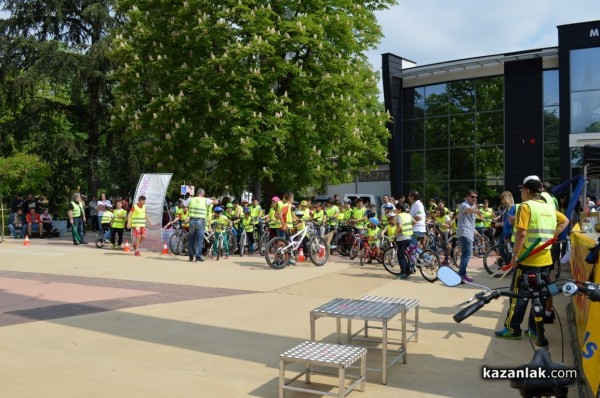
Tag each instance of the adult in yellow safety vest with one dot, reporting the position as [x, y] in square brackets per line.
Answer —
[535, 219]
[404, 227]
[286, 215]
[118, 225]
[198, 210]
[136, 221]
[273, 217]
[331, 213]
[76, 216]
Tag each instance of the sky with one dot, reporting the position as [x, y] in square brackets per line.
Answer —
[431, 31]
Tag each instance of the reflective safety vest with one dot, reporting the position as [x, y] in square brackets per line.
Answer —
[391, 230]
[248, 223]
[209, 215]
[542, 222]
[273, 219]
[478, 222]
[255, 212]
[488, 216]
[222, 223]
[512, 237]
[348, 214]
[318, 215]
[106, 217]
[373, 234]
[138, 218]
[550, 200]
[76, 210]
[289, 221]
[120, 218]
[359, 213]
[197, 207]
[407, 228]
[332, 213]
[442, 225]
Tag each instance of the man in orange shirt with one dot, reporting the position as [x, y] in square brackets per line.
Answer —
[34, 218]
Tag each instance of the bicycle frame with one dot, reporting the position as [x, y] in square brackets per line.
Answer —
[296, 244]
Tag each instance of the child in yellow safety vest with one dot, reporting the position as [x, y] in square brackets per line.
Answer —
[248, 223]
[222, 222]
[373, 235]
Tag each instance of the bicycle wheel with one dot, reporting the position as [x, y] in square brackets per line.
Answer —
[456, 254]
[173, 243]
[344, 245]
[317, 251]
[264, 239]
[183, 246]
[428, 263]
[362, 254]
[232, 242]
[99, 240]
[557, 266]
[276, 257]
[354, 249]
[493, 260]
[390, 261]
[242, 244]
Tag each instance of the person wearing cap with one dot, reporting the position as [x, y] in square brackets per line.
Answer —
[386, 209]
[101, 207]
[373, 235]
[404, 235]
[235, 213]
[248, 225]
[347, 210]
[390, 230]
[221, 225]
[198, 208]
[535, 219]
[107, 219]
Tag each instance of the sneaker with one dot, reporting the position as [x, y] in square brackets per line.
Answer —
[137, 253]
[549, 318]
[113, 247]
[291, 263]
[118, 247]
[466, 278]
[531, 333]
[402, 276]
[507, 334]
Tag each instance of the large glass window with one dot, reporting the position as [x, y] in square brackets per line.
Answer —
[585, 90]
[454, 138]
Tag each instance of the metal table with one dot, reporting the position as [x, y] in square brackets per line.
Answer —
[365, 310]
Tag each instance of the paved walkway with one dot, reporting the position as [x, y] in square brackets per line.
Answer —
[77, 321]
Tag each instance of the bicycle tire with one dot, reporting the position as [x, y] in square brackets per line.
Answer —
[390, 261]
[557, 266]
[232, 242]
[183, 246]
[173, 243]
[264, 240]
[493, 261]
[428, 263]
[354, 250]
[276, 258]
[456, 254]
[317, 251]
[362, 256]
[99, 240]
[343, 246]
[219, 248]
[242, 244]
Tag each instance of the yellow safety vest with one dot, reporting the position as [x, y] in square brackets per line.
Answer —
[512, 237]
[391, 230]
[76, 210]
[197, 207]
[488, 216]
[332, 213]
[348, 214]
[407, 228]
[442, 224]
[542, 222]
[372, 234]
[120, 218]
[222, 223]
[255, 213]
[138, 218]
[318, 215]
[248, 223]
[273, 220]
[106, 217]
[289, 221]
[359, 213]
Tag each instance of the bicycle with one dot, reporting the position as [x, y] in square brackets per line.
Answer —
[219, 243]
[178, 244]
[357, 244]
[496, 258]
[535, 287]
[279, 251]
[102, 238]
[370, 252]
[345, 238]
[265, 237]
[427, 261]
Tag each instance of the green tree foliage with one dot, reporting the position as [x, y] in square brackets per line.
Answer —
[237, 91]
[22, 172]
[55, 92]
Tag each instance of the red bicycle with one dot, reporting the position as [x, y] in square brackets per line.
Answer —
[369, 252]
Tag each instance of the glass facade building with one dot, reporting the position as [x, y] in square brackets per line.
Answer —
[489, 121]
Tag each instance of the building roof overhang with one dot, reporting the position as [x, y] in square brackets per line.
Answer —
[477, 62]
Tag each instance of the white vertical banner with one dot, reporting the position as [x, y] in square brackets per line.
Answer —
[154, 188]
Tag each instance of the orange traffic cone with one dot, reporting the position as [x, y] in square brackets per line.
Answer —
[126, 248]
[26, 241]
[301, 257]
[165, 248]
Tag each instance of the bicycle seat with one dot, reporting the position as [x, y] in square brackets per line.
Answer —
[529, 386]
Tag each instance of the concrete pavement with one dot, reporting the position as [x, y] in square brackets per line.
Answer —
[80, 321]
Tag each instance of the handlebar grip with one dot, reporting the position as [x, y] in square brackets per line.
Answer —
[468, 311]
[594, 295]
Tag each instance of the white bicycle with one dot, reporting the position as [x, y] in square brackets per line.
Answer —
[279, 251]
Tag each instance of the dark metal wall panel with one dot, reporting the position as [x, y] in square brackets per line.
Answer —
[392, 94]
[524, 123]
